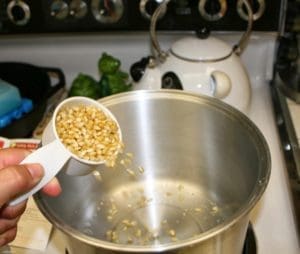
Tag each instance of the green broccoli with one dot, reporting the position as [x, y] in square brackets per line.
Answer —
[85, 85]
[112, 80]
[104, 86]
[107, 64]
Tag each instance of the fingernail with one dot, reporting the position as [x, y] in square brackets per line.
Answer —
[36, 171]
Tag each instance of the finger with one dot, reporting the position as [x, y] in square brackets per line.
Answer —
[5, 225]
[11, 212]
[53, 188]
[8, 236]
[12, 156]
[16, 180]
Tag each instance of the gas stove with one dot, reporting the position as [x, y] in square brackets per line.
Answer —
[62, 40]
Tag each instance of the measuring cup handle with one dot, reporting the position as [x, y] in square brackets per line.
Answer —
[52, 157]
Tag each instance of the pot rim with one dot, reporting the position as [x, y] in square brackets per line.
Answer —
[257, 192]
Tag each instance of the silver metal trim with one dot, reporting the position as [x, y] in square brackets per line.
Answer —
[282, 17]
[291, 141]
[256, 15]
[107, 19]
[212, 17]
[78, 8]
[144, 12]
[59, 9]
[24, 7]
[201, 60]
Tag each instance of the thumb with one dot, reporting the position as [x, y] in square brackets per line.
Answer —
[18, 179]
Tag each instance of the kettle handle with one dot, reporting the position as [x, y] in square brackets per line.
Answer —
[237, 48]
[161, 55]
[221, 84]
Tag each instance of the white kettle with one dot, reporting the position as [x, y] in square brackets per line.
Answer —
[202, 64]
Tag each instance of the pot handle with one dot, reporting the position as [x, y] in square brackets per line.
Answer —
[57, 73]
[237, 48]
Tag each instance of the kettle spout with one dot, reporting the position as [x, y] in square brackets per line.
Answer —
[137, 70]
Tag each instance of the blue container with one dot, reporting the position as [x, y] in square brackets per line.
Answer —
[10, 98]
[25, 107]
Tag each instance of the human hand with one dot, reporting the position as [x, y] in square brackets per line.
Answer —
[16, 179]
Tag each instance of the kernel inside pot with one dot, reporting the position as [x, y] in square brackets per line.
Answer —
[89, 133]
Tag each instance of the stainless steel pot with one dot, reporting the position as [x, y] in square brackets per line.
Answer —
[198, 168]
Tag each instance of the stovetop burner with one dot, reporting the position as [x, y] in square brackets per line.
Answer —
[249, 247]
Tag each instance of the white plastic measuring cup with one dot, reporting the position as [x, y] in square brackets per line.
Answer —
[55, 155]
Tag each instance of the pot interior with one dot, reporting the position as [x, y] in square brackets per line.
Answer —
[191, 166]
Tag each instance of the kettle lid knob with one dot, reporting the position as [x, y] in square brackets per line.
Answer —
[203, 32]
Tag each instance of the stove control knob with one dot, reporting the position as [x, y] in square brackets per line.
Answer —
[107, 11]
[212, 10]
[258, 8]
[59, 9]
[78, 9]
[18, 12]
[147, 8]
